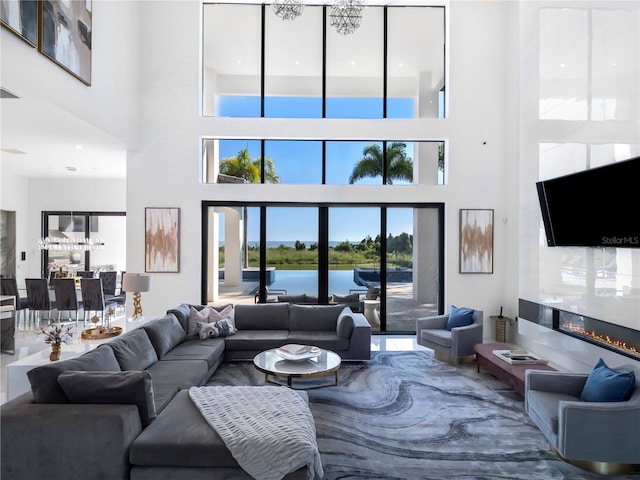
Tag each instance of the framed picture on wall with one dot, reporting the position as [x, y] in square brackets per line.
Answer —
[21, 18]
[162, 240]
[476, 240]
[65, 36]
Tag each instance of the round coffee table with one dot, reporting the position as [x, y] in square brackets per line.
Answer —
[270, 363]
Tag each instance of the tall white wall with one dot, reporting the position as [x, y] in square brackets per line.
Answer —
[164, 171]
[110, 103]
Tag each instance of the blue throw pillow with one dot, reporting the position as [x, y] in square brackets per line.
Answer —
[459, 317]
[607, 385]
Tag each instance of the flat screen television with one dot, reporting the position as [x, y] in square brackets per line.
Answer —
[599, 207]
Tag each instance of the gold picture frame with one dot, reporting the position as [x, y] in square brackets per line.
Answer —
[476, 240]
[162, 240]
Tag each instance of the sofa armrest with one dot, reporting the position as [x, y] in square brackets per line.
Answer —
[464, 339]
[360, 341]
[95, 439]
[556, 382]
[616, 423]
[436, 322]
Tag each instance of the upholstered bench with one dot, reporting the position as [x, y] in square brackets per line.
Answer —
[180, 444]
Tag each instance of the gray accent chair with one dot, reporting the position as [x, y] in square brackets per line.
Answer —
[584, 433]
[449, 345]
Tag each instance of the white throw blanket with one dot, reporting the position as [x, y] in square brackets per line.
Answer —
[270, 431]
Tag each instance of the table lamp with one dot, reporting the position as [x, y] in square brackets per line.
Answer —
[136, 283]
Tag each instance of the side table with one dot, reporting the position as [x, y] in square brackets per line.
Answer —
[501, 327]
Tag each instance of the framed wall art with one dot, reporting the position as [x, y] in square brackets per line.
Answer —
[21, 18]
[65, 35]
[476, 241]
[162, 240]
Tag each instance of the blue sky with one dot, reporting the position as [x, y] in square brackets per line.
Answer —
[300, 162]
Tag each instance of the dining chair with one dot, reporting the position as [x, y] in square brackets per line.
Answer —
[85, 274]
[66, 297]
[38, 299]
[9, 286]
[92, 297]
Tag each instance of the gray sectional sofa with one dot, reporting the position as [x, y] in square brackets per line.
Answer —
[122, 410]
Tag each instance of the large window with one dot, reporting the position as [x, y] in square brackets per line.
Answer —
[328, 254]
[392, 66]
[362, 162]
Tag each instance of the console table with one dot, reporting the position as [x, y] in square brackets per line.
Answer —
[512, 375]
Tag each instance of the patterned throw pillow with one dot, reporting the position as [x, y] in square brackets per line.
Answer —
[221, 328]
[207, 315]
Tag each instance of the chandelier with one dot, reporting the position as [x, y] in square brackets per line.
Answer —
[288, 9]
[346, 15]
[70, 244]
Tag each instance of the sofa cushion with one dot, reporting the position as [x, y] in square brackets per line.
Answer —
[44, 379]
[329, 340]
[302, 298]
[605, 384]
[545, 405]
[345, 325]
[170, 376]
[210, 350]
[351, 298]
[181, 437]
[133, 350]
[165, 333]
[437, 336]
[459, 317]
[262, 316]
[113, 388]
[256, 340]
[314, 317]
[182, 314]
[207, 314]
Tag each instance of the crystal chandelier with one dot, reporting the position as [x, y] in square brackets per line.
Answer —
[346, 15]
[288, 9]
[70, 244]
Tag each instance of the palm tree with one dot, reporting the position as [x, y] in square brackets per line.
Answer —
[243, 166]
[399, 166]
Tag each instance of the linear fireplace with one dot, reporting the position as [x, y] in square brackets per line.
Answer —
[617, 338]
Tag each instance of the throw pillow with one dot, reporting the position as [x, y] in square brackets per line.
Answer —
[207, 315]
[221, 328]
[116, 388]
[605, 384]
[459, 317]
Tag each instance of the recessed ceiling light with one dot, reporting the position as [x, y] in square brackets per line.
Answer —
[79, 147]
[562, 65]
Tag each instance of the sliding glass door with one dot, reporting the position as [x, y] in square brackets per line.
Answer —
[384, 261]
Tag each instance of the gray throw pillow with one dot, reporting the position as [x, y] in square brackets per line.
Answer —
[345, 325]
[44, 379]
[111, 388]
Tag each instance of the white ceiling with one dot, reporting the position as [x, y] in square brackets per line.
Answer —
[51, 138]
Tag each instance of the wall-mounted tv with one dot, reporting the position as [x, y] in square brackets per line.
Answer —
[599, 207]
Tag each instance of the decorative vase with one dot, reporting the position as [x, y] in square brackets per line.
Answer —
[55, 352]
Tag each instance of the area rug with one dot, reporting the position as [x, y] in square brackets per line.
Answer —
[406, 415]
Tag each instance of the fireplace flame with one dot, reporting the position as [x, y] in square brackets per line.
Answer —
[601, 338]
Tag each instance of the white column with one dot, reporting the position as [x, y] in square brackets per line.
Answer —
[425, 255]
